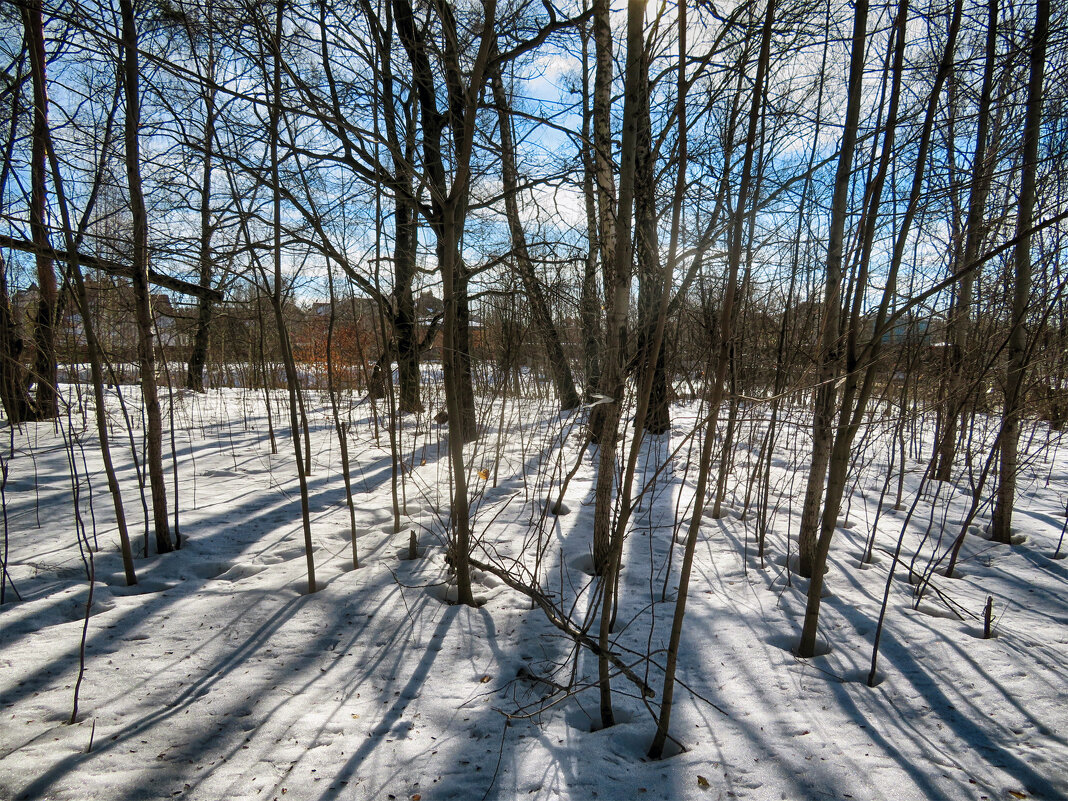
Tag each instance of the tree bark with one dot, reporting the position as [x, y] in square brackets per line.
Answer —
[13, 380]
[448, 204]
[715, 391]
[142, 296]
[285, 345]
[857, 392]
[46, 400]
[589, 302]
[649, 268]
[604, 171]
[448, 209]
[1001, 527]
[95, 352]
[402, 147]
[612, 388]
[16, 402]
[539, 307]
[829, 341]
[198, 354]
[960, 313]
[404, 267]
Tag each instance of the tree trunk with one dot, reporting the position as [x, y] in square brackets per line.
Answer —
[285, 345]
[404, 250]
[405, 243]
[142, 295]
[829, 355]
[454, 403]
[46, 401]
[97, 375]
[851, 415]
[448, 209]
[94, 350]
[16, 401]
[612, 377]
[13, 380]
[649, 269]
[589, 302]
[339, 425]
[1001, 527]
[539, 307]
[715, 391]
[960, 314]
[604, 171]
[846, 332]
[448, 205]
[198, 355]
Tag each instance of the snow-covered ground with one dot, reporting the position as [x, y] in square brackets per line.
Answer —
[219, 677]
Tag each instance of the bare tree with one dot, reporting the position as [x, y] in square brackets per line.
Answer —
[608, 539]
[715, 390]
[197, 31]
[539, 308]
[860, 372]
[1001, 529]
[145, 345]
[15, 383]
[959, 323]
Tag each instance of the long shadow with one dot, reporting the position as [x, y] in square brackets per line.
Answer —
[1051, 566]
[339, 639]
[775, 733]
[581, 759]
[252, 516]
[257, 515]
[392, 718]
[963, 724]
[40, 786]
[537, 657]
[566, 761]
[958, 713]
[699, 695]
[216, 736]
[774, 737]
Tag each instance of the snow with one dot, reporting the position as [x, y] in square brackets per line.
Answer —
[218, 676]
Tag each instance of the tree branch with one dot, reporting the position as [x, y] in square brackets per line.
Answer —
[112, 268]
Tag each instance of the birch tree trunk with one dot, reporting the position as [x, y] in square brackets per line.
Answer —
[612, 377]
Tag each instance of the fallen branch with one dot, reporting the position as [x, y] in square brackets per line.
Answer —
[552, 614]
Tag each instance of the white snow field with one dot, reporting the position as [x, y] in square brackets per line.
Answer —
[218, 677]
